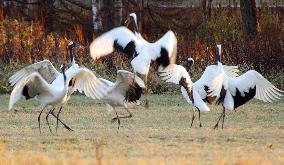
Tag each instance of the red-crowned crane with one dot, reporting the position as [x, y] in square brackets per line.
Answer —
[200, 88]
[126, 90]
[233, 92]
[35, 84]
[36, 77]
[140, 52]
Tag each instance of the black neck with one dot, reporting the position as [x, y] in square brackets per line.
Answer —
[64, 75]
[71, 54]
[134, 25]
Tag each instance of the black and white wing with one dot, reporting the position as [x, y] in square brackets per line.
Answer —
[163, 51]
[120, 39]
[86, 82]
[252, 85]
[167, 47]
[44, 68]
[30, 86]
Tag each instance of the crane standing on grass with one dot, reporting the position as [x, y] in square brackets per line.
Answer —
[126, 90]
[42, 81]
[196, 94]
[233, 92]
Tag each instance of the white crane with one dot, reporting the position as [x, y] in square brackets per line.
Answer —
[200, 88]
[50, 74]
[140, 52]
[42, 81]
[233, 92]
[126, 90]
[55, 94]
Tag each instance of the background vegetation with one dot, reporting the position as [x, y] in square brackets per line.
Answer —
[24, 41]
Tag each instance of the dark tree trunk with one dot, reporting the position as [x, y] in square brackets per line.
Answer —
[248, 11]
[108, 14]
[1, 10]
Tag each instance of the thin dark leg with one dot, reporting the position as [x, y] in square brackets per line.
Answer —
[118, 120]
[224, 115]
[216, 125]
[38, 119]
[58, 117]
[192, 119]
[121, 117]
[68, 128]
[200, 125]
[146, 92]
[46, 118]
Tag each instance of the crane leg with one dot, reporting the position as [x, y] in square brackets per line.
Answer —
[224, 115]
[121, 117]
[118, 120]
[38, 118]
[200, 125]
[192, 119]
[58, 120]
[216, 125]
[46, 118]
[146, 92]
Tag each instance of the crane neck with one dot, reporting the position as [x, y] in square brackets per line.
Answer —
[70, 54]
[187, 87]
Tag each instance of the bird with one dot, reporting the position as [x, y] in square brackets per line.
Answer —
[199, 93]
[50, 74]
[36, 84]
[140, 52]
[126, 90]
[232, 92]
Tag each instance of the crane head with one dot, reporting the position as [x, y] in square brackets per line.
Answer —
[63, 67]
[132, 22]
[190, 62]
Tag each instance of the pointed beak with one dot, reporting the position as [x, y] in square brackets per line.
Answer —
[127, 21]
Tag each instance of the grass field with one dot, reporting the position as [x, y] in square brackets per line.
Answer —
[254, 134]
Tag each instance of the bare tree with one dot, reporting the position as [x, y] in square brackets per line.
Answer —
[248, 12]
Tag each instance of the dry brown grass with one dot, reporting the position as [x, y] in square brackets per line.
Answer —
[159, 135]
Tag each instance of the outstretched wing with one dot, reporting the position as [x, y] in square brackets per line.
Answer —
[174, 74]
[44, 68]
[120, 39]
[30, 86]
[86, 82]
[167, 45]
[253, 85]
[231, 71]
